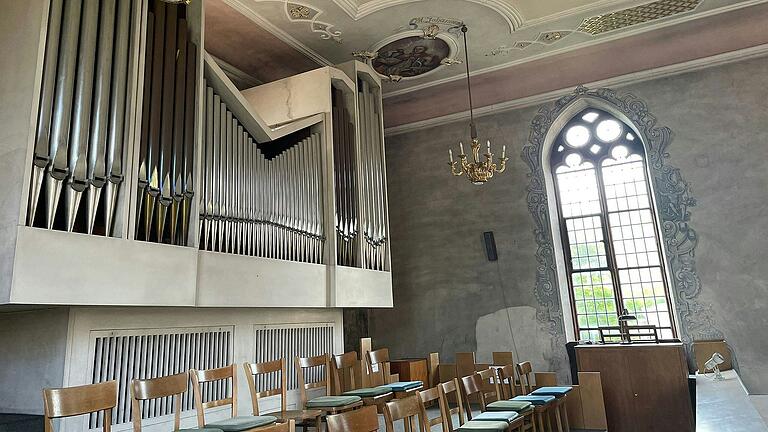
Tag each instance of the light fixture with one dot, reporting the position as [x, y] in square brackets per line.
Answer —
[713, 364]
[477, 171]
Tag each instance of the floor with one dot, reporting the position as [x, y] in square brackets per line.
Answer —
[20, 423]
[724, 406]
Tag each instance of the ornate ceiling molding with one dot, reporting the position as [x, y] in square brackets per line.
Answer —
[502, 50]
[302, 12]
[511, 15]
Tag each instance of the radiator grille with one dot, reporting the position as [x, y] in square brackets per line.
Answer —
[288, 341]
[149, 353]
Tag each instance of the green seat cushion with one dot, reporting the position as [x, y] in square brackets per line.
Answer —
[556, 391]
[241, 423]
[369, 392]
[509, 405]
[507, 416]
[403, 385]
[332, 401]
[484, 426]
[200, 430]
[535, 399]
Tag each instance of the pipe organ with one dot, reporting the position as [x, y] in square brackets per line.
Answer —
[141, 176]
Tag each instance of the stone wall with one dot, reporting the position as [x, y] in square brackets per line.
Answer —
[449, 298]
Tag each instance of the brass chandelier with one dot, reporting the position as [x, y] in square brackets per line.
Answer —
[477, 171]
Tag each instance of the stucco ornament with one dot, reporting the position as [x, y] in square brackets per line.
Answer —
[674, 201]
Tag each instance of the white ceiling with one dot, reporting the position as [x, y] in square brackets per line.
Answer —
[501, 32]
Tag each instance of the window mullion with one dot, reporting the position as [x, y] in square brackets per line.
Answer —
[609, 251]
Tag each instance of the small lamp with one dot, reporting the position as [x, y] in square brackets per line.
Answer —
[624, 319]
[713, 364]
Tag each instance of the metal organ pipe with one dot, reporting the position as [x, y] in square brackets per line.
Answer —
[255, 204]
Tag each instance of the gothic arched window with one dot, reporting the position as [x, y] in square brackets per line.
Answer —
[610, 236]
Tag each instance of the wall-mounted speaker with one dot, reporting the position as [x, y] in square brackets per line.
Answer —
[490, 246]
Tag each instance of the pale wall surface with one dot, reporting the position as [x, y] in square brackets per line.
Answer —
[443, 284]
[35, 363]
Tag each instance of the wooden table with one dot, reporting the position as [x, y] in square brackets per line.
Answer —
[645, 386]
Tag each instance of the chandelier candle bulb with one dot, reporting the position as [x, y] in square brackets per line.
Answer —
[450, 155]
[489, 146]
[461, 146]
[504, 151]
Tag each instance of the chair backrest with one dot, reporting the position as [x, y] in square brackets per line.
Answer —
[343, 366]
[489, 380]
[379, 360]
[303, 363]
[203, 376]
[427, 396]
[74, 401]
[146, 389]
[266, 368]
[507, 382]
[447, 390]
[289, 426]
[405, 409]
[524, 370]
[470, 386]
[365, 419]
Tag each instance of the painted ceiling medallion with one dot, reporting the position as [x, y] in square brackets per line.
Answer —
[410, 55]
[297, 12]
[636, 15]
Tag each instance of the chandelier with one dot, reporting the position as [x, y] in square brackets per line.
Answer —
[477, 171]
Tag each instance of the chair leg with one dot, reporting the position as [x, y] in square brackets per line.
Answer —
[565, 416]
[539, 422]
[558, 420]
[549, 420]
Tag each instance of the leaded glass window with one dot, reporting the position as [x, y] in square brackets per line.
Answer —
[610, 236]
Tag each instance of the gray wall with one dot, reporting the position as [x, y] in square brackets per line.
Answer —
[36, 363]
[449, 298]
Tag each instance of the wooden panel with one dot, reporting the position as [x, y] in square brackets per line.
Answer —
[544, 379]
[645, 386]
[410, 370]
[365, 348]
[703, 350]
[433, 362]
[592, 401]
[503, 358]
[465, 364]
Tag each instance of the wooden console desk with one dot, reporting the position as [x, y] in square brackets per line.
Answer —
[645, 386]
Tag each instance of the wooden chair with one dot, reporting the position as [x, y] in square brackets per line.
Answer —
[508, 391]
[235, 422]
[343, 366]
[327, 403]
[300, 417]
[427, 397]
[524, 371]
[361, 420]
[449, 390]
[378, 363]
[489, 378]
[75, 401]
[289, 426]
[493, 411]
[405, 409]
[155, 388]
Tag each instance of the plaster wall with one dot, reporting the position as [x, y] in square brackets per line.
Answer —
[448, 298]
[36, 363]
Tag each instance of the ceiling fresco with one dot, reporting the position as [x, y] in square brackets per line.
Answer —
[502, 33]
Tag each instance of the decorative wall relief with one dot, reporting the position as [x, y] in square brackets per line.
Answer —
[673, 201]
[544, 38]
[298, 12]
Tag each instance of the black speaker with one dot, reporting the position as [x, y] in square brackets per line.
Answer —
[490, 246]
